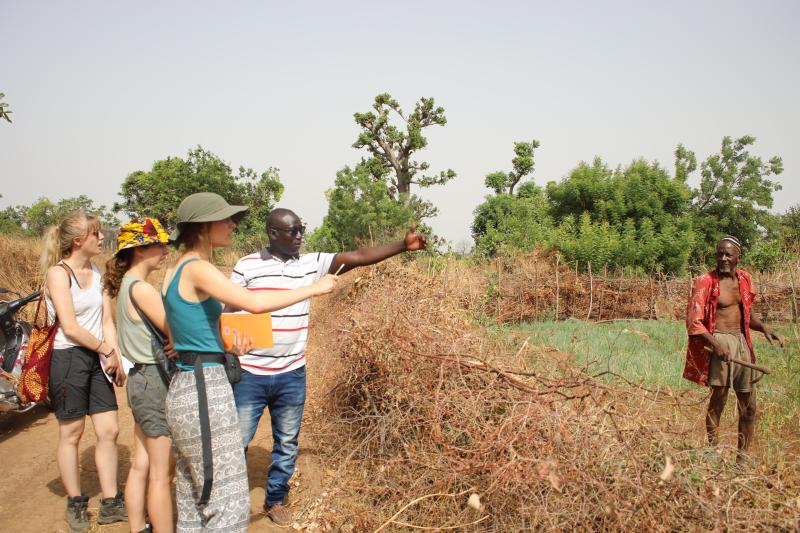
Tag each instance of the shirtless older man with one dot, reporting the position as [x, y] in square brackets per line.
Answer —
[719, 317]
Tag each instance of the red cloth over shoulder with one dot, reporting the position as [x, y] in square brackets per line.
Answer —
[701, 314]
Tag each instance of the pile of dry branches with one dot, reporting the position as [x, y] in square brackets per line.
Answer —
[418, 410]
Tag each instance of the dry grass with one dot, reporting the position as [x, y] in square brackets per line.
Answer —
[19, 268]
[416, 409]
[19, 265]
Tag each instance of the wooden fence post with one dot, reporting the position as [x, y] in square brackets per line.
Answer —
[536, 285]
[499, 288]
[794, 297]
[575, 293]
[588, 314]
[602, 293]
[558, 260]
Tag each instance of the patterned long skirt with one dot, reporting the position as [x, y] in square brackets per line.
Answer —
[228, 506]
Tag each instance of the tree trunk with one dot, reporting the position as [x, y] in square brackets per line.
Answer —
[404, 187]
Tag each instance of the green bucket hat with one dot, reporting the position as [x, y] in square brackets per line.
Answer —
[205, 207]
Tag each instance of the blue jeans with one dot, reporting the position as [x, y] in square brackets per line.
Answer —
[285, 396]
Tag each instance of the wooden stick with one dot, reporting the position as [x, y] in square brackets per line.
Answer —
[558, 260]
[339, 269]
[794, 297]
[441, 528]
[760, 368]
[591, 288]
[414, 501]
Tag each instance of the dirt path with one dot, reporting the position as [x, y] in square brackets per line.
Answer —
[32, 498]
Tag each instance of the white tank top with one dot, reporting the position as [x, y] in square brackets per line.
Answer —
[88, 305]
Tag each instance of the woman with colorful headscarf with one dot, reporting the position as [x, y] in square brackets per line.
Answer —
[141, 249]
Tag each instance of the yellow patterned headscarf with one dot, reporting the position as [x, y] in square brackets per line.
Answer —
[136, 233]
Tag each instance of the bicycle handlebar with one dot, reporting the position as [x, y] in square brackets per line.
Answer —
[16, 305]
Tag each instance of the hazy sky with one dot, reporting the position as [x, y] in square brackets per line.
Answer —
[101, 89]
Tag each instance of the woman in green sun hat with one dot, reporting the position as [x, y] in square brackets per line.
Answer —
[212, 491]
[141, 249]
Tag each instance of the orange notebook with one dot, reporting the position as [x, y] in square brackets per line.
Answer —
[257, 326]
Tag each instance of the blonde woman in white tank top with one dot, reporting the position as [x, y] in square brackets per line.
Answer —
[78, 386]
[87, 306]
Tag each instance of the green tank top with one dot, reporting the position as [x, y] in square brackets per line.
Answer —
[134, 339]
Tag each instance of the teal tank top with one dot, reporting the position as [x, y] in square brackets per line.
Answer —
[194, 326]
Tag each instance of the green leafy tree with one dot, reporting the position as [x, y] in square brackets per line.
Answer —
[84, 203]
[4, 111]
[395, 146]
[360, 210]
[10, 220]
[781, 243]
[39, 215]
[632, 217]
[504, 182]
[373, 201]
[581, 239]
[587, 188]
[685, 163]
[766, 254]
[506, 221]
[44, 212]
[159, 191]
[789, 227]
[735, 193]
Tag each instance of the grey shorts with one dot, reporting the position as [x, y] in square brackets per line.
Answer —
[78, 386]
[740, 378]
[146, 397]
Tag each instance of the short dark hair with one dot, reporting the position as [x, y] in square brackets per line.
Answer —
[275, 214]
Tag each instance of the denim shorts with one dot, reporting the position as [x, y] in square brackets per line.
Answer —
[147, 393]
[78, 386]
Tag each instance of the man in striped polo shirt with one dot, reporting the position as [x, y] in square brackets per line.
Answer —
[275, 378]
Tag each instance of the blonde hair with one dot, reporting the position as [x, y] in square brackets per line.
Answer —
[58, 239]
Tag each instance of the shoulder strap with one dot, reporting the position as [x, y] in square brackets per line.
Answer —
[70, 274]
[39, 303]
[156, 334]
[176, 276]
[154, 331]
[180, 267]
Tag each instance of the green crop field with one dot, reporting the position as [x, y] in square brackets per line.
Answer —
[652, 353]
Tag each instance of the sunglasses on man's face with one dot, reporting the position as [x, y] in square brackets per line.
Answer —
[294, 232]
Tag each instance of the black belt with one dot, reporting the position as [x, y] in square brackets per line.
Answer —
[197, 359]
[189, 358]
